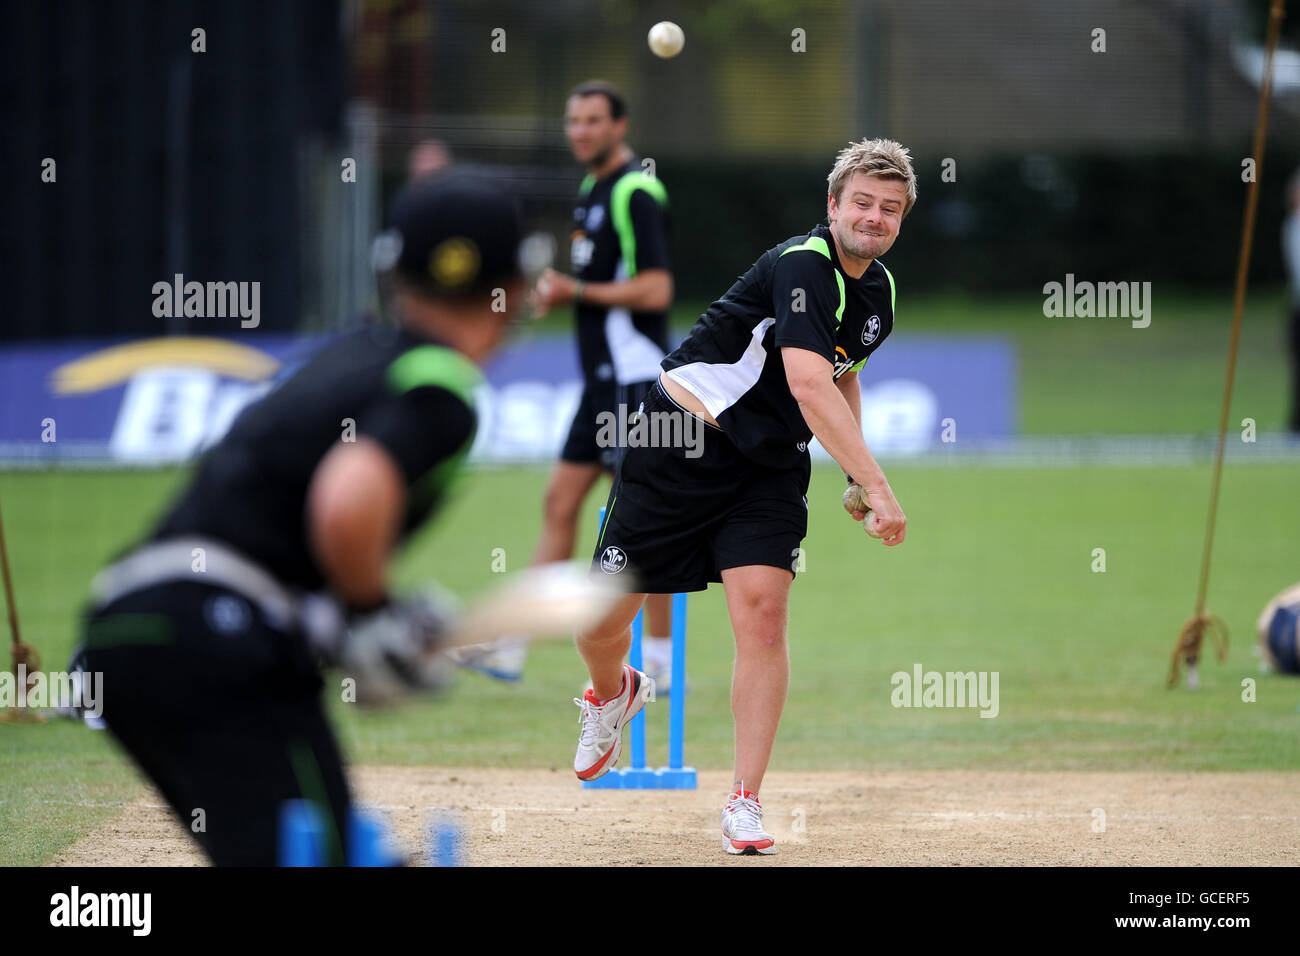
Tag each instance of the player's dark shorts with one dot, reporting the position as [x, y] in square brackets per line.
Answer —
[222, 711]
[676, 520]
[582, 446]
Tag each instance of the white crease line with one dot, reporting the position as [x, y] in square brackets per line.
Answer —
[937, 814]
[1030, 814]
[386, 807]
[364, 806]
[91, 803]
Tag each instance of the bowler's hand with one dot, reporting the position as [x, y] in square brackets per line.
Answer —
[855, 501]
[884, 516]
[552, 289]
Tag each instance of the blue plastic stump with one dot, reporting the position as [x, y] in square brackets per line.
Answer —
[302, 834]
[367, 844]
[677, 700]
[302, 837]
[445, 842]
[634, 658]
[638, 776]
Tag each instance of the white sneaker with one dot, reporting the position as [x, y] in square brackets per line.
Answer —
[661, 674]
[500, 660]
[602, 724]
[742, 826]
[657, 660]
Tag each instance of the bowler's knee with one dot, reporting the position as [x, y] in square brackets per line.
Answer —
[616, 625]
[764, 623]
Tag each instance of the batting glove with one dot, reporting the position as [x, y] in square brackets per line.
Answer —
[392, 652]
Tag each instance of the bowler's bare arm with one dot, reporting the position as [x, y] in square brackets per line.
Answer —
[832, 411]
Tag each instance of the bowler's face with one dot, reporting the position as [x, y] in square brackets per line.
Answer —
[867, 218]
[591, 131]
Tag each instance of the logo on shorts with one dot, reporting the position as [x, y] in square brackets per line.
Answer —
[871, 330]
[802, 446]
[613, 560]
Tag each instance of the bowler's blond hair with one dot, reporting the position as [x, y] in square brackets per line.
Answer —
[874, 157]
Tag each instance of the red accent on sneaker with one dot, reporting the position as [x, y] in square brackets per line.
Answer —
[744, 794]
[591, 771]
[635, 685]
[590, 695]
[756, 844]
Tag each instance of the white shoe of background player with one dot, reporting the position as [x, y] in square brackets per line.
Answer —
[500, 660]
[742, 826]
[657, 659]
[601, 740]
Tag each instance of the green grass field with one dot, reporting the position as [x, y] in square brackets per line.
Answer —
[996, 575]
[1088, 376]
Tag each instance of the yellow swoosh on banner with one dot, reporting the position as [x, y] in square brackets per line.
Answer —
[113, 366]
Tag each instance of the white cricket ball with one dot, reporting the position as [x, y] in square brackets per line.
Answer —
[666, 39]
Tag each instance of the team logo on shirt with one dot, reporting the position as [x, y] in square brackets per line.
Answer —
[594, 218]
[227, 614]
[580, 250]
[613, 560]
[871, 331]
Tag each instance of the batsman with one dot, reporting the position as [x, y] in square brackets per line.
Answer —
[210, 634]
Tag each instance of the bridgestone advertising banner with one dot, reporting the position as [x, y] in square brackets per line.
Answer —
[164, 400]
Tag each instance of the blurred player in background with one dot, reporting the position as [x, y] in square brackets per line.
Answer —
[427, 159]
[621, 292]
[209, 633]
[770, 365]
[1291, 257]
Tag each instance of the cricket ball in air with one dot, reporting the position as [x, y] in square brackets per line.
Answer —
[666, 39]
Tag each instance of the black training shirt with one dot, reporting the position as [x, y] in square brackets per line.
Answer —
[795, 295]
[408, 393]
[620, 229]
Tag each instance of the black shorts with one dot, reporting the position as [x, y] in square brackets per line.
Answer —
[677, 517]
[582, 446]
[223, 713]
